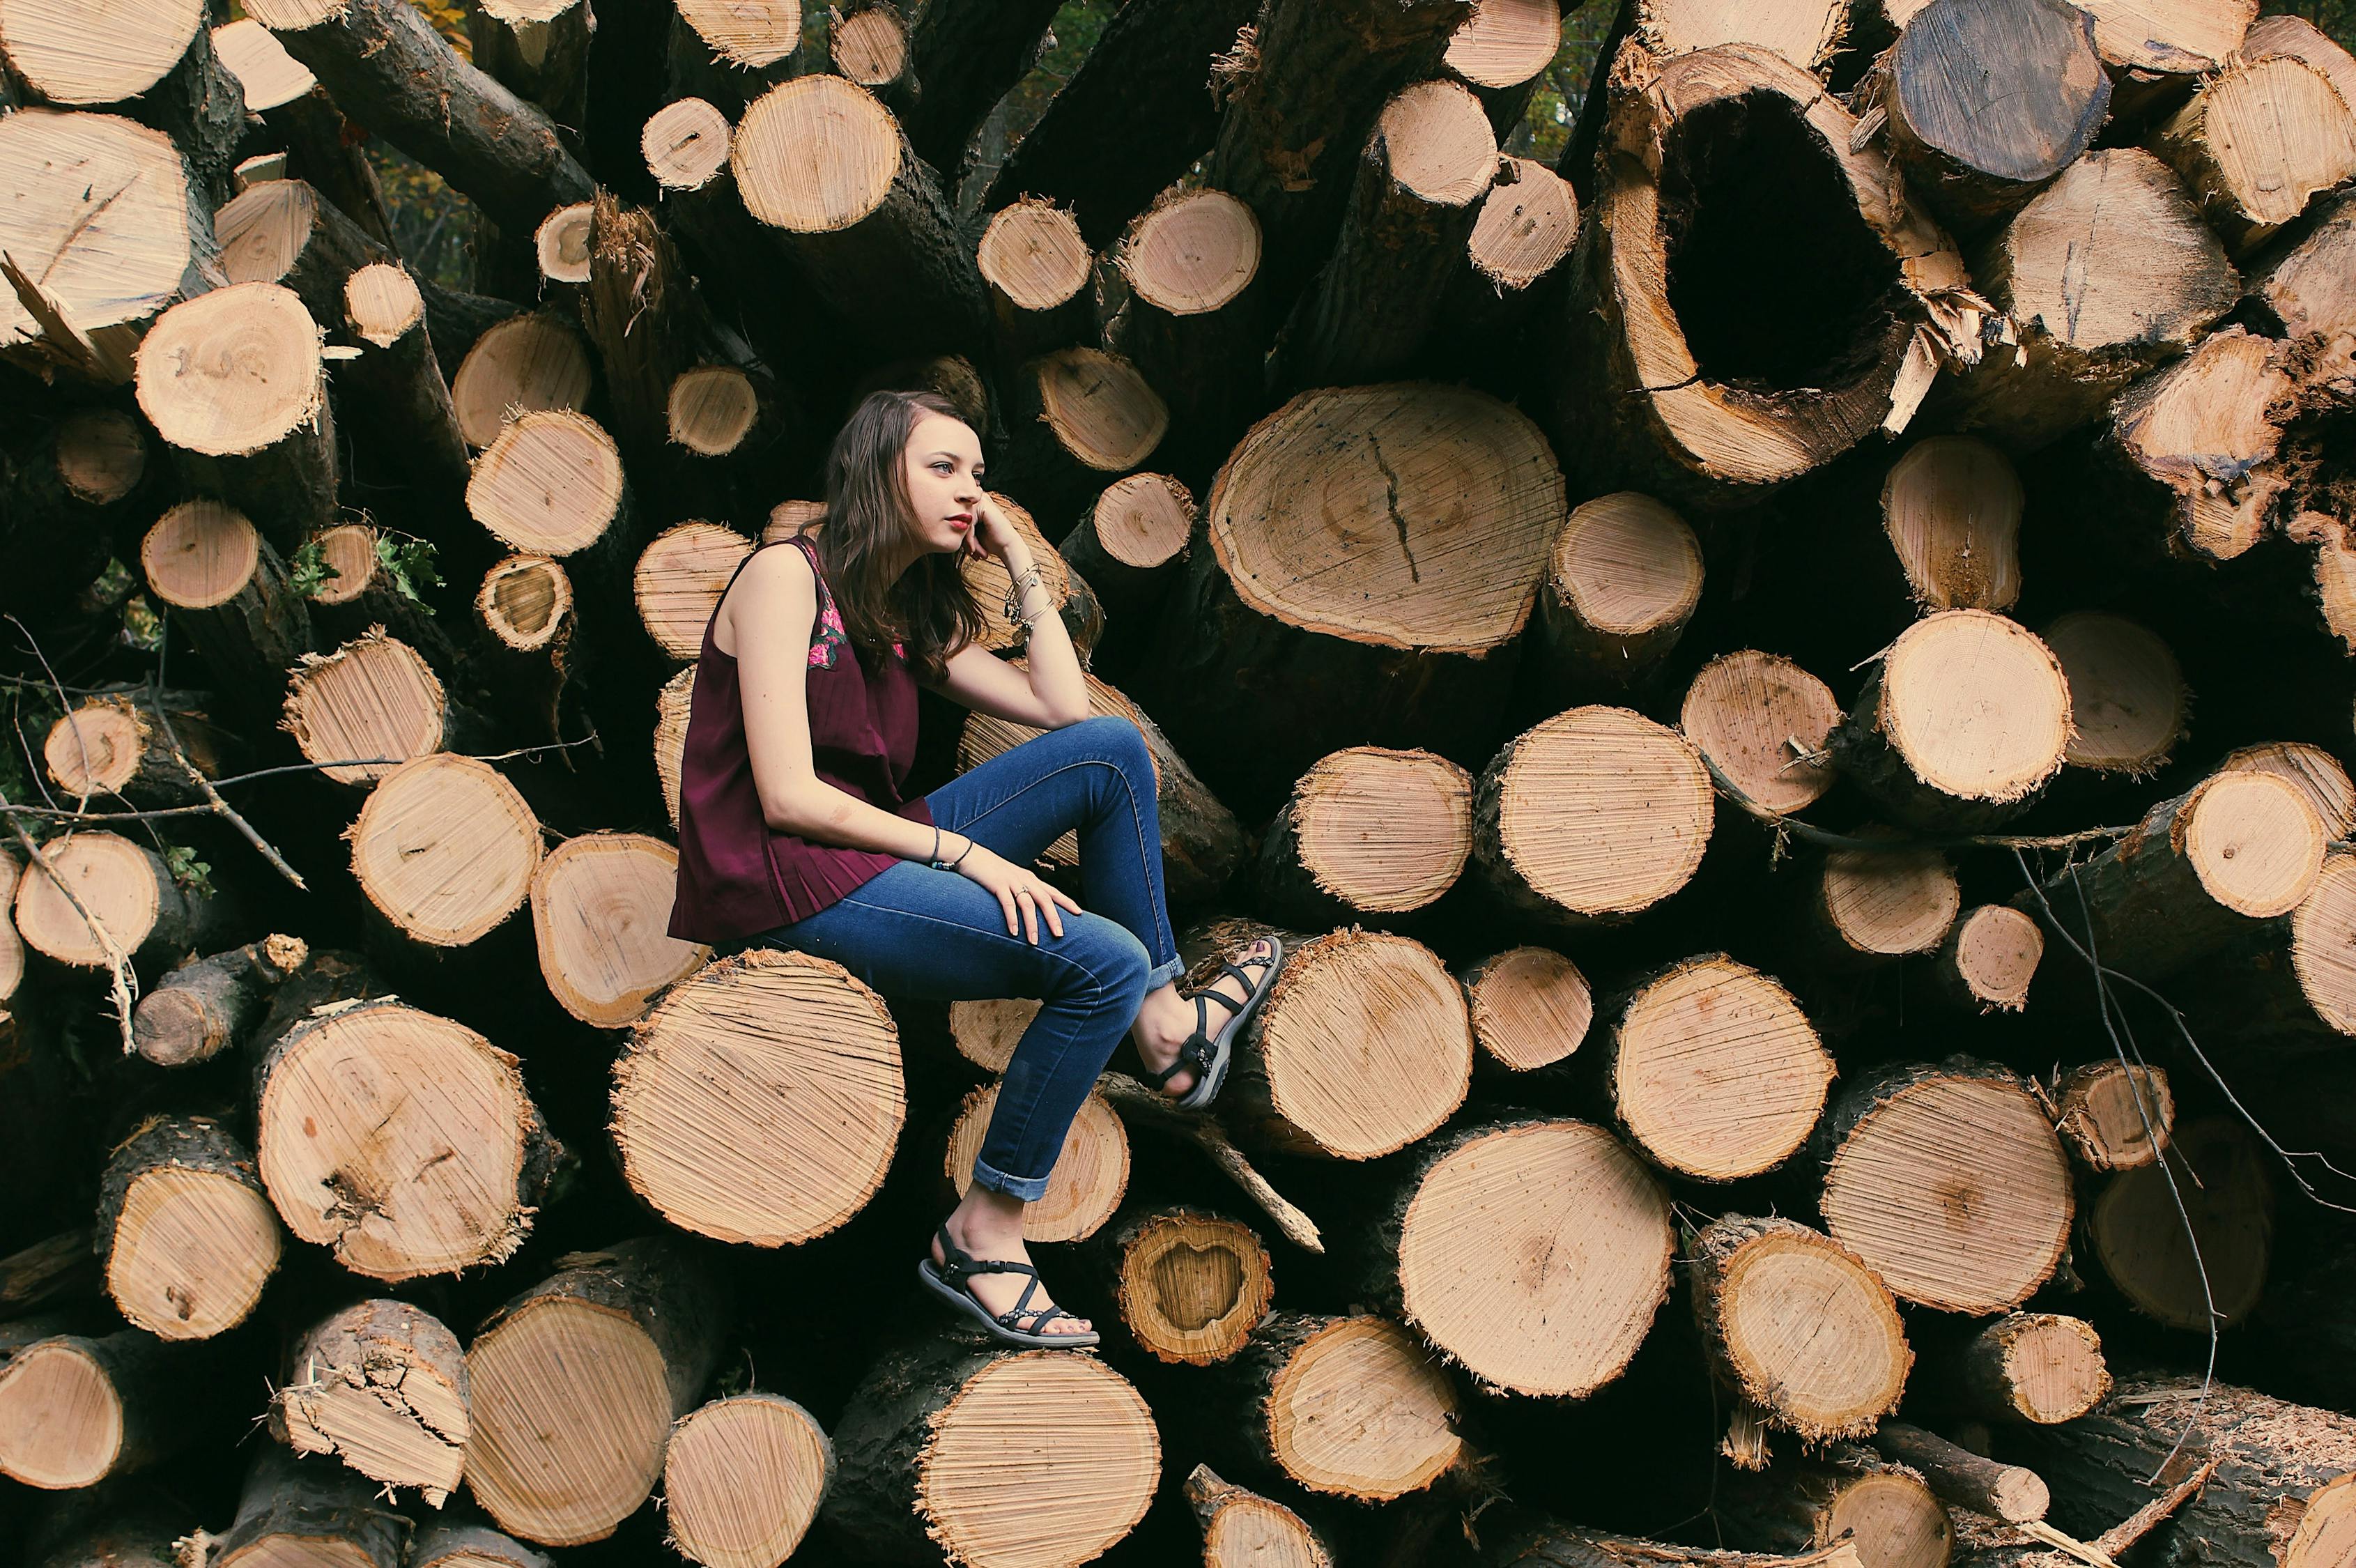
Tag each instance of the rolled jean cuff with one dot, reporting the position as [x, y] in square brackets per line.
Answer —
[1164, 974]
[1030, 1189]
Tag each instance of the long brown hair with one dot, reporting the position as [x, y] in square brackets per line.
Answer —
[928, 608]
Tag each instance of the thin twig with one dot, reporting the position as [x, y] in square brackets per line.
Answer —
[122, 983]
[204, 785]
[1826, 839]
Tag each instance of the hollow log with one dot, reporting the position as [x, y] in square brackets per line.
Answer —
[2034, 1367]
[283, 231]
[864, 220]
[966, 55]
[1624, 578]
[1797, 1327]
[404, 1142]
[1195, 322]
[1950, 508]
[1367, 832]
[148, 917]
[1300, 103]
[115, 743]
[2192, 445]
[1361, 1046]
[1190, 1287]
[2256, 142]
[390, 69]
[1893, 1519]
[74, 1411]
[921, 1456]
[679, 577]
[574, 1386]
[2087, 332]
[2280, 1496]
[526, 606]
[1663, 384]
[1090, 1176]
[810, 1059]
[233, 381]
[109, 254]
[1949, 1182]
[539, 50]
[293, 1510]
[1079, 418]
[524, 364]
[444, 849]
[1344, 1407]
[1988, 101]
[1141, 89]
[367, 708]
[1989, 960]
[1202, 843]
[203, 1008]
[1763, 724]
[742, 1479]
[186, 1236]
[2199, 871]
[2128, 705]
[1420, 638]
[1590, 817]
[552, 485]
[2114, 1117]
[1129, 546]
[2137, 1235]
[1916, 739]
[1966, 1479]
[1867, 907]
[1241, 1529]
[381, 1386]
[1415, 196]
[1451, 1239]
[599, 907]
[1530, 1008]
[227, 588]
[396, 384]
[1040, 276]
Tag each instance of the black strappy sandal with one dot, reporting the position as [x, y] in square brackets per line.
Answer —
[1206, 1054]
[948, 1280]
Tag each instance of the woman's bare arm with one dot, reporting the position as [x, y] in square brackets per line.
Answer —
[769, 618]
[1047, 690]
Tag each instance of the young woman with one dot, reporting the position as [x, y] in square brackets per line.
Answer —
[793, 831]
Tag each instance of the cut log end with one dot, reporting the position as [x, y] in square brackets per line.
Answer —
[2316, 772]
[107, 252]
[1090, 1173]
[1888, 903]
[1716, 1072]
[1763, 723]
[731, 1068]
[1383, 831]
[1940, 680]
[365, 709]
[381, 1386]
[62, 1422]
[1192, 253]
[2323, 945]
[712, 409]
[816, 155]
[679, 577]
[383, 304]
[600, 1463]
[1528, 224]
[671, 707]
[232, 371]
[1501, 1198]
[191, 1249]
[1598, 812]
[1143, 520]
[100, 455]
[2128, 705]
[200, 554]
[271, 77]
[445, 849]
[1951, 506]
[871, 47]
[526, 602]
[2049, 1368]
[1626, 566]
[1800, 1327]
[748, 35]
[1436, 145]
[117, 882]
[1098, 408]
[524, 364]
[742, 1478]
[1803, 34]
[57, 50]
[1359, 1410]
[2255, 842]
[2114, 1117]
[1192, 1288]
[560, 244]
[1032, 253]
[686, 144]
[2137, 1236]
[1993, 953]
[1504, 43]
[1531, 1007]
[1244, 1530]
[600, 912]
[348, 551]
[97, 748]
[550, 483]
[985, 1033]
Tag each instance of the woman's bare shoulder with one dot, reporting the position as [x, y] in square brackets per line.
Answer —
[776, 584]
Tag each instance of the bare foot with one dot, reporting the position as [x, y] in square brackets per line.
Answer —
[1167, 1020]
[999, 1292]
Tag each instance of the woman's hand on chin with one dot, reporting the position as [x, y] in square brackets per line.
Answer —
[994, 535]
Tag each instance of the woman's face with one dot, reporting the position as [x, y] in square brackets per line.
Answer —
[942, 464]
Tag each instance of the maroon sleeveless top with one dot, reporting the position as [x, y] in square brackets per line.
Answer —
[737, 876]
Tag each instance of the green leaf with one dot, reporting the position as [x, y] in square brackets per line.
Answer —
[408, 561]
[191, 873]
[308, 572]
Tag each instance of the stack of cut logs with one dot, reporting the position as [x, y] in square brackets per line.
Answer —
[1865, 542]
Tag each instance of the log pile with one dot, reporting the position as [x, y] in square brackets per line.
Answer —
[1781, 672]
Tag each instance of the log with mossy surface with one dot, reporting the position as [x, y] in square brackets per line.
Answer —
[1713, 404]
[393, 73]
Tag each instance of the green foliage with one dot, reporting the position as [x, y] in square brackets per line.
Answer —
[408, 561]
[308, 572]
[194, 876]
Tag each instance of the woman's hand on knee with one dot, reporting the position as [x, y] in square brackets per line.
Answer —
[1021, 892]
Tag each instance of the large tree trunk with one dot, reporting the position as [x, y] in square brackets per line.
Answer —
[965, 55]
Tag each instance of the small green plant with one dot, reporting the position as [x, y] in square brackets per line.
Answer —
[142, 628]
[194, 876]
[309, 571]
[408, 561]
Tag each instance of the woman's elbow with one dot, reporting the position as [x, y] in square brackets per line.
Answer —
[788, 814]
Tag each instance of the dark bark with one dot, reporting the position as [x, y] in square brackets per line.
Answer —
[322, 148]
[546, 64]
[204, 1008]
[966, 55]
[292, 1506]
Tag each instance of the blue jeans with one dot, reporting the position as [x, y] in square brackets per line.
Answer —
[917, 932]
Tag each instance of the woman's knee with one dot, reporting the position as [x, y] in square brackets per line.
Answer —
[1118, 741]
[1107, 959]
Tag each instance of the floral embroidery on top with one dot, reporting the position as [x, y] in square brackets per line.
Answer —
[830, 637]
